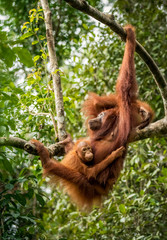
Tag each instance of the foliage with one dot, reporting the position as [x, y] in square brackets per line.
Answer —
[89, 57]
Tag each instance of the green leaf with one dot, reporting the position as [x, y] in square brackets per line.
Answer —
[76, 41]
[3, 129]
[57, 70]
[40, 100]
[15, 215]
[7, 55]
[91, 39]
[9, 186]
[44, 56]
[23, 172]
[85, 26]
[24, 26]
[40, 200]
[41, 37]
[35, 42]
[92, 27]
[11, 84]
[28, 219]
[32, 10]
[7, 165]
[122, 208]
[36, 29]
[3, 36]
[164, 171]
[141, 193]
[30, 193]
[24, 56]
[20, 198]
[65, 99]
[36, 58]
[26, 35]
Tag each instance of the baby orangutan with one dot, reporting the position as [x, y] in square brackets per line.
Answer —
[77, 172]
[85, 155]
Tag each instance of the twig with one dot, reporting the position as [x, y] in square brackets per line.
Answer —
[54, 71]
[39, 114]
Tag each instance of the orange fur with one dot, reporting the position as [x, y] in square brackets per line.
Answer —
[74, 175]
[122, 114]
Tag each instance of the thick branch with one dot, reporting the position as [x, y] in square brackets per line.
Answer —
[13, 141]
[156, 129]
[54, 71]
[54, 149]
[108, 20]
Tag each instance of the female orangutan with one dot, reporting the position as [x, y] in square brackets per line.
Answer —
[112, 118]
[110, 121]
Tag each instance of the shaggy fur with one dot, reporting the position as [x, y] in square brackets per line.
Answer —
[77, 179]
[120, 114]
[123, 113]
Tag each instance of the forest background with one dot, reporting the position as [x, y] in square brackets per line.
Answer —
[89, 57]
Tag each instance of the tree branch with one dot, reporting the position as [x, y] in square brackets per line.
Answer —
[108, 20]
[13, 141]
[56, 149]
[156, 129]
[54, 71]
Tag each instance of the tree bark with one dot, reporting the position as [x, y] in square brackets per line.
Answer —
[156, 129]
[56, 149]
[54, 71]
